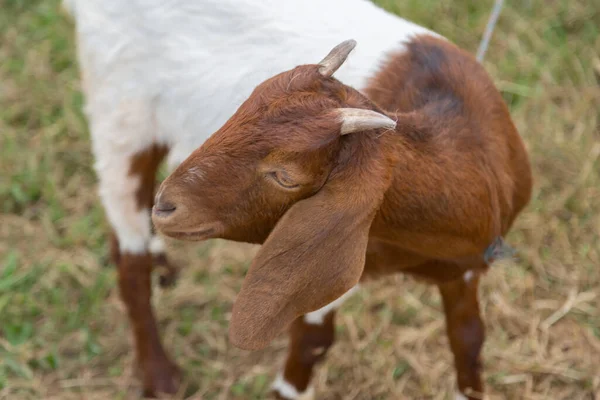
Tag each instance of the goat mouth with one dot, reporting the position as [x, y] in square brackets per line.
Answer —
[192, 236]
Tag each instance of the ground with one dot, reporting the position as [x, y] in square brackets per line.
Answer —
[64, 332]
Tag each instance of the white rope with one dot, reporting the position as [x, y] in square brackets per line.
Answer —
[489, 29]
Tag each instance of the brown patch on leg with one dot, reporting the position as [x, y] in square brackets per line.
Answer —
[145, 165]
[466, 333]
[308, 346]
[159, 373]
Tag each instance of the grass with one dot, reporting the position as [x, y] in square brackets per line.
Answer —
[63, 330]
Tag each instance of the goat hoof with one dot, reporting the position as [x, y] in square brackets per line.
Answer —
[161, 378]
[167, 273]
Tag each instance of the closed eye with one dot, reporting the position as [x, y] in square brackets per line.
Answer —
[283, 180]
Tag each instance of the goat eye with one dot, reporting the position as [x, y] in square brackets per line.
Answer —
[283, 179]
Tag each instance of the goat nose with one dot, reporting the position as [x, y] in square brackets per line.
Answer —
[163, 208]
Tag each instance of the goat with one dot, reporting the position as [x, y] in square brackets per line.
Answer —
[421, 173]
[160, 77]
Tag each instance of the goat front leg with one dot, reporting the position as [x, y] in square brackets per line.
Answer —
[309, 342]
[126, 189]
[466, 332]
[311, 336]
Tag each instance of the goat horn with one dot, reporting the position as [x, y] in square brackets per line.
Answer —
[336, 57]
[358, 119]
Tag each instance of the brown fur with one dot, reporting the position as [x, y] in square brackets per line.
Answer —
[159, 373]
[466, 332]
[425, 199]
[145, 165]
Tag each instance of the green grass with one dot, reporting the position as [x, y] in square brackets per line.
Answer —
[63, 330]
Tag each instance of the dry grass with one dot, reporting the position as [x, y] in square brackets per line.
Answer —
[63, 330]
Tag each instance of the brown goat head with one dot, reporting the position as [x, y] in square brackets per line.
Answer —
[296, 168]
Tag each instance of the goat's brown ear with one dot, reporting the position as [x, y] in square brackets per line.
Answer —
[315, 253]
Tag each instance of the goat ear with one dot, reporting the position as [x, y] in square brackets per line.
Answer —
[315, 253]
[336, 57]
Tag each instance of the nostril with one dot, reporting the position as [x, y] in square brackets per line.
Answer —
[164, 208]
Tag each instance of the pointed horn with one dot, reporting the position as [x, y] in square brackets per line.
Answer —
[358, 119]
[336, 57]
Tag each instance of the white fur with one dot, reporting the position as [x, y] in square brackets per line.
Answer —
[117, 191]
[113, 153]
[460, 396]
[289, 391]
[317, 317]
[157, 246]
[172, 72]
[468, 276]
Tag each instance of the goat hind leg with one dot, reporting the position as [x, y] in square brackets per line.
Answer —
[309, 342]
[466, 332]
